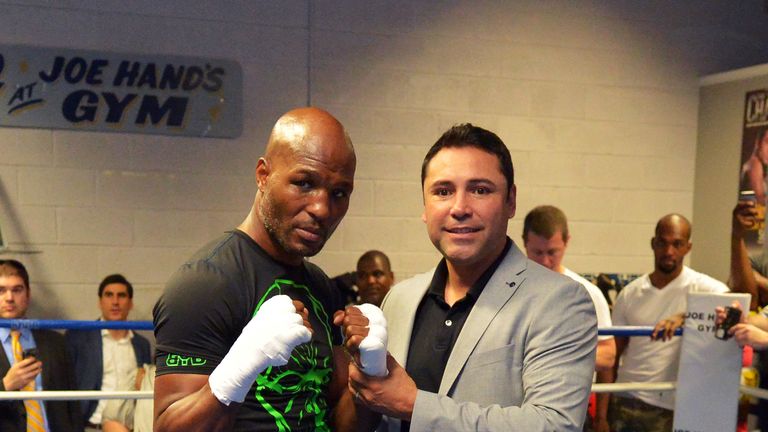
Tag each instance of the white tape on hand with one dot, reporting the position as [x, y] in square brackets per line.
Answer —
[373, 349]
[267, 340]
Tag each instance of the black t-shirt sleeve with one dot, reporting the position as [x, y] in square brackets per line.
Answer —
[197, 319]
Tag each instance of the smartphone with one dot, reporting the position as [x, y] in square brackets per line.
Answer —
[32, 352]
[732, 317]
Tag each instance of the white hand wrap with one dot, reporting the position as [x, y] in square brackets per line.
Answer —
[373, 349]
[267, 340]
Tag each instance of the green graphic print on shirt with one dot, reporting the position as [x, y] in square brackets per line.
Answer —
[307, 372]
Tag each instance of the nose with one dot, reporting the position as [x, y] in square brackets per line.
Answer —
[320, 206]
[461, 209]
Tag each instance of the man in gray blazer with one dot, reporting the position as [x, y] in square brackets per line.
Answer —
[488, 340]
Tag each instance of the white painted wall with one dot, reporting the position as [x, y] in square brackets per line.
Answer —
[596, 100]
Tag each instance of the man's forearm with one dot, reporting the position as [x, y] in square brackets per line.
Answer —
[603, 399]
[742, 277]
[197, 411]
[350, 417]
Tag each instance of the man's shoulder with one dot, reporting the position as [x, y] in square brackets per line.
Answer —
[48, 337]
[407, 286]
[701, 282]
[81, 336]
[139, 339]
[592, 289]
[638, 283]
[542, 275]
[212, 265]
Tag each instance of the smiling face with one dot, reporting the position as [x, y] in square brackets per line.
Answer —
[115, 303]
[467, 204]
[14, 297]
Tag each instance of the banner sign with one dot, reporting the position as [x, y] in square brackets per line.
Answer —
[113, 92]
[707, 395]
[753, 174]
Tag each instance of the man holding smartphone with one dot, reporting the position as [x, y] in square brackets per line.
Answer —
[32, 360]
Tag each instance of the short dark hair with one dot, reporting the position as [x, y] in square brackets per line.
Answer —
[11, 267]
[116, 278]
[371, 255]
[545, 221]
[469, 135]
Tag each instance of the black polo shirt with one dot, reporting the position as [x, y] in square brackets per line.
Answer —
[437, 326]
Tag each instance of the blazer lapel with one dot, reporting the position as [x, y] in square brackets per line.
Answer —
[403, 315]
[497, 292]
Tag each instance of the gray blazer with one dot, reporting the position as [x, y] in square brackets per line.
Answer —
[523, 361]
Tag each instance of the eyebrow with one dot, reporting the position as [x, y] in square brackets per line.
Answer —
[472, 181]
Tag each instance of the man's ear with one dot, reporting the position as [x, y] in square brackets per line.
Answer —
[511, 201]
[262, 172]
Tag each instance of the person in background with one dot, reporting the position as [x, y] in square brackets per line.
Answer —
[32, 360]
[108, 359]
[374, 277]
[655, 299]
[546, 237]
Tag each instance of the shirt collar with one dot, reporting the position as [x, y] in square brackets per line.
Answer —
[5, 334]
[437, 285]
[105, 332]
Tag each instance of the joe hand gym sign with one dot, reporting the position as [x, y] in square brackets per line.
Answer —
[111, 92]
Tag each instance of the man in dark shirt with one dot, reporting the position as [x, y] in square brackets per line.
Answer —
[489, 340]
[221, 309]
[32, 360]
[374, 277]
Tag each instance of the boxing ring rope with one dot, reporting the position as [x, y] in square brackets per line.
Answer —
[622, 331]
[59, 395]
[75, 325]
[626, 331]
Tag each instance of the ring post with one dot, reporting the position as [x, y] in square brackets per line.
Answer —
[707, 394]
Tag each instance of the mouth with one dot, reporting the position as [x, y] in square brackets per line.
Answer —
[462, 230]
[311, 234]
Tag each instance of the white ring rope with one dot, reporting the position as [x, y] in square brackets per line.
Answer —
[148, 394]
[633, 386]
[75, 395]
[754, 392]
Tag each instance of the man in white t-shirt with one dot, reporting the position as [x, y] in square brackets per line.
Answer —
[545, 236]
[659, 299]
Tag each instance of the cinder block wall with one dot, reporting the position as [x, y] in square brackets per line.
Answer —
[596, 100]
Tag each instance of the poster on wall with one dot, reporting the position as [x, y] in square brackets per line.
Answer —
[115, 92]
[754, 163]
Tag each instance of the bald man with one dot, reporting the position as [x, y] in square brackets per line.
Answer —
[659, 299]
[235, 349]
